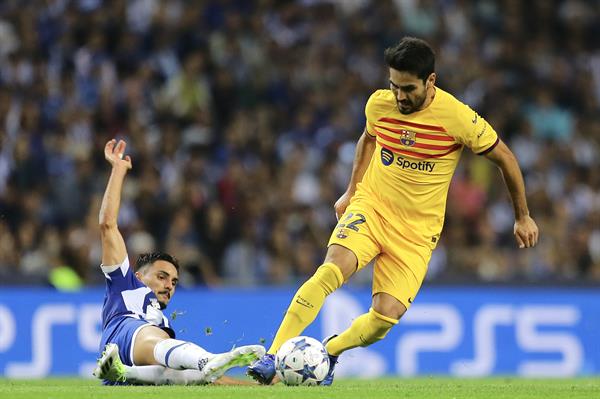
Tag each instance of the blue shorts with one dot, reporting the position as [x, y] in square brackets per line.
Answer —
[122, 331]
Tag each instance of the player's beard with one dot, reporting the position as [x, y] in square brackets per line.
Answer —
[408, 107]
[161, 303]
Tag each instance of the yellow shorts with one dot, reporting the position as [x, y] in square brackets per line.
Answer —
[400, 266]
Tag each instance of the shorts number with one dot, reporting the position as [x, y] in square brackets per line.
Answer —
[360, 219]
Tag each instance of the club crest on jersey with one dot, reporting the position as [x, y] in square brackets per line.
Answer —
[154, 303]
[342, 233]
[408, 138]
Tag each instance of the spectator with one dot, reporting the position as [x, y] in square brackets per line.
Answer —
[250, 110]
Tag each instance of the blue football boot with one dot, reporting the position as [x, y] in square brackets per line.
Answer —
[332, 362]
[263, 370]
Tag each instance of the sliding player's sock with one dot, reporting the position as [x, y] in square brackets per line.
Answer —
[178, 354]
[161, 375]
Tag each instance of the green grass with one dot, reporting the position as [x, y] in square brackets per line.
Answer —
[433, 387]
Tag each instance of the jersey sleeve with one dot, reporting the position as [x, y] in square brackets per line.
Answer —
[473, 130]
[371, 110]
[120, 277]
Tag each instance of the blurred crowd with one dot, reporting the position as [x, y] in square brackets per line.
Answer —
[241, 119]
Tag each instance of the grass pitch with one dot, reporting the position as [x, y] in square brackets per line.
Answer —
[417, 388]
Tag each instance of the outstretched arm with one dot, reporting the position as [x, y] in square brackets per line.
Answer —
[113, 246]
[525, 230]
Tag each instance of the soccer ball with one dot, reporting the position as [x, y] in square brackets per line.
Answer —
[302, 361]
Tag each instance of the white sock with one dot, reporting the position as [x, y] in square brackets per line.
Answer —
[160, 375]
[177, 354]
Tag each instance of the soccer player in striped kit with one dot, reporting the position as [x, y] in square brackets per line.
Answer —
[139, 344]
[393, 209]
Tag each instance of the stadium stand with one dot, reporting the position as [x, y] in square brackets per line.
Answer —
[241, 119]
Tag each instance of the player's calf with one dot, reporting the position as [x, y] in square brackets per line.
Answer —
[180, 355]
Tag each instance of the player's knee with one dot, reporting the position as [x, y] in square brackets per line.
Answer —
[329, 277]
[387, 305]
[144, 345]
[164, 348]
[343, 258]
[378, 326]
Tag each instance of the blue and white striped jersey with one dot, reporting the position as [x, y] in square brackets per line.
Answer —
[127, 297]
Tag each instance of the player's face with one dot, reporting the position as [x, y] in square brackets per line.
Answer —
[162, 278]
[410, 91]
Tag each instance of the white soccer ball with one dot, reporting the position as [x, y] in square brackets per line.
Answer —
[302, 361]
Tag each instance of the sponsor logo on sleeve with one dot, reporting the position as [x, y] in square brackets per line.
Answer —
[482, 130]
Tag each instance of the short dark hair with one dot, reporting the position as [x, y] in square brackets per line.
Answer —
[151, 257]
[411, 55]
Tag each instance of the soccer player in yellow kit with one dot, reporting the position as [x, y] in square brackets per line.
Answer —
[393, 209]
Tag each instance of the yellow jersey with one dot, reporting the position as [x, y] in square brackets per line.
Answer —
[415, 157]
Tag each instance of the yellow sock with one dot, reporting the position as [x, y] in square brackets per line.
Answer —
[307, 302]
[365, 330]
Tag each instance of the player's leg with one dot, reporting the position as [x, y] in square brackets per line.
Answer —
[340, 263]
[160, 375]
[111, 368]
[395, 285]
[153, 346]
[365, 330]
[370, 327]
[350, 248]
[144, 343]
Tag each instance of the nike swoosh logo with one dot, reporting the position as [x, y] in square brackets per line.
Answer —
[304, 302]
